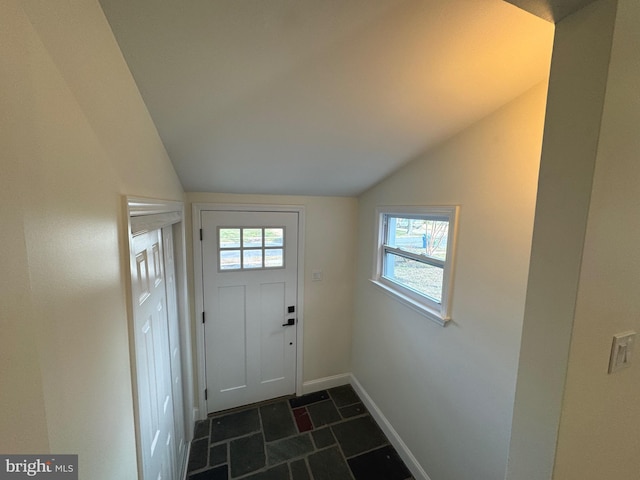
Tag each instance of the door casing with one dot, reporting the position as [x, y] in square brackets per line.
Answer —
[199, 287]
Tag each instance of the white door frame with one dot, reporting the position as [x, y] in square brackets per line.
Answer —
[199, 287]
[151, 214]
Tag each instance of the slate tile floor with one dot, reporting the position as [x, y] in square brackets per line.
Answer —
[327, 435]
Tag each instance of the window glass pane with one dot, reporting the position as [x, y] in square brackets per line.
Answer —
[418, 276]
[229, 238]
[274, 237]
[273, 257]
[251, 237]
[230, 260]
[252, 258]
[420, 236]
[435, 238]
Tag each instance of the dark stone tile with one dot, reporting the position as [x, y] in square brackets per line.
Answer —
[309, 399]
[303, 421]
[299, 470]
[198, 456]
[246, 454]
[358, 435]
[344, 395]
[288, 448]
[352, 410]
[218, 455]
[276, 421]
[202, 429]
[323, 413]
[329, 465]
[219, 473]
[323, 437]
[281, 472]
[381, 464]
[234, 425]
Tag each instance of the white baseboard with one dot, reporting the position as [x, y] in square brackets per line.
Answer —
[326, 382]
[410, 461]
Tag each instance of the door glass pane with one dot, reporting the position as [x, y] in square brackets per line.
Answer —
[273, 257]
[257, 248]
[229, 238]
[274, 237]
[421, 277]
[230, 260]
[252, 258]
[251, 237]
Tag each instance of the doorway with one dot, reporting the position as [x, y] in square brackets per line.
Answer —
[159, 337]
[248, 263]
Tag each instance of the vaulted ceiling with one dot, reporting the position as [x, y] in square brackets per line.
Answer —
[321, 97]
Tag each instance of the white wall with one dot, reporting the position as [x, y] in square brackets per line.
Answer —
[599, 433]
[448, 391]
[330, 246]
[75, 136]
[577, 86]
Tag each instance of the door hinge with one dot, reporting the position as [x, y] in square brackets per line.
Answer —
[206, 396]
[202, 317]
[200, 234]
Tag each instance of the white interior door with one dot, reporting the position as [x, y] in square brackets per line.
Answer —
[153, 358]
[250, 300]
[174, 349]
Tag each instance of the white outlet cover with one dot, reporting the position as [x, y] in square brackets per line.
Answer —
[621, 350]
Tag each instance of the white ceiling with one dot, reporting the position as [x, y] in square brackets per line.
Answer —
[320, 97]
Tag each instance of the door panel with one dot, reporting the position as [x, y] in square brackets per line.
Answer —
[153, 358]
[249, 279]
[230, 352]
[272, 361]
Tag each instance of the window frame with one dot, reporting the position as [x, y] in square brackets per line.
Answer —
[426, 306]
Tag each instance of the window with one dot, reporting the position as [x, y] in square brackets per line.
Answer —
[250, 248]
[414, 257]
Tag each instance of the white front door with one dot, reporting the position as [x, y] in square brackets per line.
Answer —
[153, 370]
[249, 270]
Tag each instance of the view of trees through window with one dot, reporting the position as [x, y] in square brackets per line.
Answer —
[424, 237]
[427, 240]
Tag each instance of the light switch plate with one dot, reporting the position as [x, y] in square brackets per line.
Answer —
[621, 351]
[316, 275]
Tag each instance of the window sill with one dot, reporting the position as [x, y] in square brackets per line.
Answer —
[418, 307]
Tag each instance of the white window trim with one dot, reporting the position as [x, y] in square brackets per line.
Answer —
[439, 313]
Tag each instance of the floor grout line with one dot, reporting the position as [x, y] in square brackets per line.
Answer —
[264, 441]
[387, 444]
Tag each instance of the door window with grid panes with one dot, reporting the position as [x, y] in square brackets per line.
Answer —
[250, 248]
